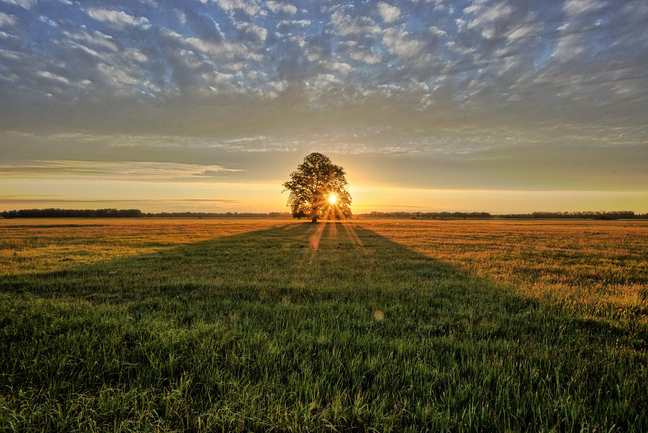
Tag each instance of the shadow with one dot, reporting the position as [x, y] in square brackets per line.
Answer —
[308, 264]
[308, 313]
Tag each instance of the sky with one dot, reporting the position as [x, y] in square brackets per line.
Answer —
[506, 106]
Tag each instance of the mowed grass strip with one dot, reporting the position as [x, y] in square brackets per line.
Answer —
[254, 328]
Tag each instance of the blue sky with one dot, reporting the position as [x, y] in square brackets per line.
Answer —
[500, 106]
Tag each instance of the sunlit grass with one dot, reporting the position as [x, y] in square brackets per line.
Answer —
[209, 325]
[45, 244]
[587, 265]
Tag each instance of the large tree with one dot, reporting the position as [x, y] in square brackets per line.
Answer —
[318, 190]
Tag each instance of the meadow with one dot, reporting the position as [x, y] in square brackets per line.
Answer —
[212, 325]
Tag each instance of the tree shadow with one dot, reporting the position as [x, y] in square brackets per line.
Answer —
[309, 313]
[307, 264]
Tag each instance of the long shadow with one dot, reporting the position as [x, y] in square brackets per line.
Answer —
[358, 314]
[308, 264]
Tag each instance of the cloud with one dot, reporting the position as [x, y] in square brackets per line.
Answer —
[525, 30]
[257, 33]
[490, 19]
[220, 69]
[343, 68]
[437, 31]
[388, 13]
[364, 56]
[48, 75]
[134, 171]
[7, 20]
[276, 7]
[223, 50]
[117, 19]
[348, 25]
[27, 4]
[302, 23]
[397, 42]
[203, 25]
[95, 38]
[573, 8]
[250, 7]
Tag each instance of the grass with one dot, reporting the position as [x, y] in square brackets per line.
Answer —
[199, 325]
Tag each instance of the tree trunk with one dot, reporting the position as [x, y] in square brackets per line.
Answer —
[314, 220]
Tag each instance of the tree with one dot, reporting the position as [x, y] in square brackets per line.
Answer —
[318, 190]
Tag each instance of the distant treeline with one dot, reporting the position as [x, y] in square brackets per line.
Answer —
[131, 213]
[245, 215]
[601, 215]
[136, 213]
[423, 215]
[72, 213]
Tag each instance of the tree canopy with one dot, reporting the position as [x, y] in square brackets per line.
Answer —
[318, 190]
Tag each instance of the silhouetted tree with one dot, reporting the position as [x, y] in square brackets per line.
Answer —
[318, 190]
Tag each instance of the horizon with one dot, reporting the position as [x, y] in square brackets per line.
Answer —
[503, 107]
[128, 213]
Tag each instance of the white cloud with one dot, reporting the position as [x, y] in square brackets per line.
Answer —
[251, 7]
[396, 42]
[54, 77]
[324, 81]
[218, 78]
[347, 25]
[217, 49]
[13, 55]
[118, 19]
[136, 55]
[280, 7]
[258, 31]
[85, 49]
[344, 68]
[365, 56]
[117, 75]
[279, 86]
[437, 31]
[94, 38]
[569, 46]
[525, 31]
[137, 171]
[27, 4]
[460, 48]
[388, 13]
[7, 20]
[487, 18]
[577, 7]
[303, 23]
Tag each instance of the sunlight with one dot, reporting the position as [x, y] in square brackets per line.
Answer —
[332, 198]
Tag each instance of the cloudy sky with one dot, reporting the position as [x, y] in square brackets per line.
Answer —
[208, 105]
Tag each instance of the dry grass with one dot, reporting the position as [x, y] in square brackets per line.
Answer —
[30, 245]
[586, 264]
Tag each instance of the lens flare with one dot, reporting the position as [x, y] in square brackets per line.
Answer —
[332, 198]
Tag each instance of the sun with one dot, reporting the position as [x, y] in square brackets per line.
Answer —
[332, 198]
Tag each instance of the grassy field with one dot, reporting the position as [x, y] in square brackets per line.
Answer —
[209, 325]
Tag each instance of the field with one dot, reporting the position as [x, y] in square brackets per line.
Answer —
[210, 325]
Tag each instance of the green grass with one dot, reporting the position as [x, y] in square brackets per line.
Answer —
[239, 329]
